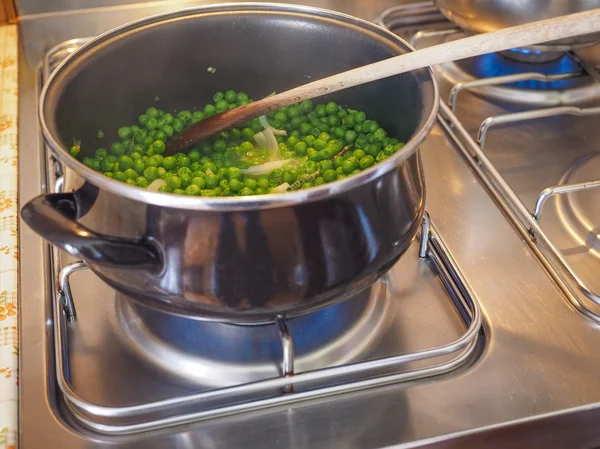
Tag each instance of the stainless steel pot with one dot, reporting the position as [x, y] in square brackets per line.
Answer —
[246, 258]
[491, 15]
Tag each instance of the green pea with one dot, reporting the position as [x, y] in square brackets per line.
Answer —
[209, 166]
[125, 162]
[165, 189]
[260, 191]
[101, 153]
[235, 185]
[150, 173]
[300, 148]
[124, 132]
[329, 175]
[88, 161]
[130, 173]
[310, 140]
[348, 166]
[108, 173]
[366, 162]
[319, 144]
[193, 189]
[137, 165]
[106, 165]
[339, 132]
[158, 147]
[151, 124]
[152, 162]
[185, 117]
[381, 156]
[234, 173]
[263, 182]
[373, 127]
[177, 125]
[398, 146]
[358, 154]
[321, 110]
[141, 181]
[169, 163]
[131, 182]
[360, 117]
[305, 128]
[350, 136]
[179, 191]
[334, 121]
[211, 181]
[117, 149]
[152, 112]
[293, 111]
[174, 182]
[306, 106]
[325, 153]
[311, 167]
[185, 162]
[197, 116]
[325, 165]
[230, 96]
[372, 149]
[194, 155]
[208, 192]
[361, 141]
[296, 122]
[120, 176]
[219, 146]
[379, 135]
[221, 106]
[184, 171]
[331, 107]
[198, 181]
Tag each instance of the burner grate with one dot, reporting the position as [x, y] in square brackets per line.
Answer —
[289, 387]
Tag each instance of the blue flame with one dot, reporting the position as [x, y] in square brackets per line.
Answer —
[495, 64]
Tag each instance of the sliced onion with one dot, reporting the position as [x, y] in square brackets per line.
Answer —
[260, 139]
[280, 188]
[264, 122]
[272, 146]
[267, 167]
[266, 125]
[156, 184]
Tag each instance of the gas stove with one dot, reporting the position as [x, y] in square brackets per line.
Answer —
[484, 331]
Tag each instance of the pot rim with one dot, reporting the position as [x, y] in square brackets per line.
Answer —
[267, 201]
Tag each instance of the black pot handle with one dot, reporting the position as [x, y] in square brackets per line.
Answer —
[53, 216]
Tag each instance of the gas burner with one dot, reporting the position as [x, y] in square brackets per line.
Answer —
[579, 210]
[219, 355]
[543, 75]
[533, 55]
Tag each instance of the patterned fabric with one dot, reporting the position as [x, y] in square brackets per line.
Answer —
[9, 252]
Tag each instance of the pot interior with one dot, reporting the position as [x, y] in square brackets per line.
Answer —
[255, 49]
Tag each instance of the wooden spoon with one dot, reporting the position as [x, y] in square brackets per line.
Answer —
[479, 44]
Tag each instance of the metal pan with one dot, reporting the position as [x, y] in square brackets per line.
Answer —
[237, 259]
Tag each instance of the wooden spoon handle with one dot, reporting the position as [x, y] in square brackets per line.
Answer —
[519, 36]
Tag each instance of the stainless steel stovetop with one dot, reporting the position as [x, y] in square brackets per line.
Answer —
[483, 334]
